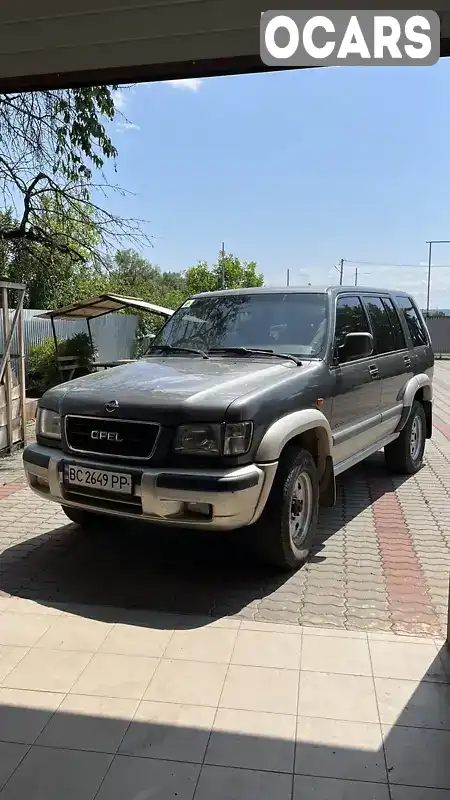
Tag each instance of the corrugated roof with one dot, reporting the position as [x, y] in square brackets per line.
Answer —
[104, 304]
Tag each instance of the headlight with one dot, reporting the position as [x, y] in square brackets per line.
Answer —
[48, 424]
[233, 439]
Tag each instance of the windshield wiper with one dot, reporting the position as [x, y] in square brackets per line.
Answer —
[255, 351]
[170, 348]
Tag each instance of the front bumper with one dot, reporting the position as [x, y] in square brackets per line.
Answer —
[234, 498]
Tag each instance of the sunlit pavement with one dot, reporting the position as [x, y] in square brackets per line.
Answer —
[332, 683]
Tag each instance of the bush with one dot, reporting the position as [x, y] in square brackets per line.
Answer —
[42, 367]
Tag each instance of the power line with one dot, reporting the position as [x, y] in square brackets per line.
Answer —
[408, 266]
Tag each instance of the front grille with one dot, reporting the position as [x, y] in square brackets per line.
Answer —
[119, 438]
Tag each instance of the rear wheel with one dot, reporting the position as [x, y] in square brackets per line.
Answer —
[405, 455]
[285, 531]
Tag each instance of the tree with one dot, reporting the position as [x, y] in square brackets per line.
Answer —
[52, 276]
[227, 273]
[53, 144]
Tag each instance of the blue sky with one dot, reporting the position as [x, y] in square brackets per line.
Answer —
[295, 170]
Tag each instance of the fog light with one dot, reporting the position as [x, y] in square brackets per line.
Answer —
[41, 482]
[201, 509]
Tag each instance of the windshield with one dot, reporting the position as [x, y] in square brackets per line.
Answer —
[293, 323]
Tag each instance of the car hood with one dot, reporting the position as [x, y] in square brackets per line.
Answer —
[167, 388]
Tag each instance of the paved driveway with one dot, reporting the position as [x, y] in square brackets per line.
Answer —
[381, 561]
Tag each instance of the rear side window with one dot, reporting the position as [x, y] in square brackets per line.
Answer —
[413, 321]
[400, 342]
[385, 324]
[350, 318]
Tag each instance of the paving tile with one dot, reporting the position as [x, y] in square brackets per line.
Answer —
[332, 696]
[116, 676]
[222, 783]
[9, 658]
[21, 605]
[22, 630]
[415, 793]
[260, 689]
[255, 648]
[417, 756]
[338, 749]
[47, 774]
[268, 627]
[187, 682]
[141, 778]
[47, 670]
[10, 757]
[89, 723]
[210, 644]
[307, 788]
[411, 703]
[406, 660]
[253, 740]
[133, 640]
[341, 634]
[334, 654]
[75, 634]
[169, 731]
[24, 714]
[383, 636]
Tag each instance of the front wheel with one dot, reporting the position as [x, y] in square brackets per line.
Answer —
[405, 454]
[285, 531]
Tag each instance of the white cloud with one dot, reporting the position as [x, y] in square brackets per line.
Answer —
[120, 99]
[121, 127]
[188, 84]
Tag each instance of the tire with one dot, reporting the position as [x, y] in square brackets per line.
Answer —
[86, 519]
[405, 454]
[275, 538]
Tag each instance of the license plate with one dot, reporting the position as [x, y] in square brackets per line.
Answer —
[117, 482]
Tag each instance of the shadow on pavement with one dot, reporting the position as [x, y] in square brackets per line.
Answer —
[173, 570]
[200, 753]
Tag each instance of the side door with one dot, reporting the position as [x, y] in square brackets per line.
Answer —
[392, 358]
[421, 351]
[355, 412]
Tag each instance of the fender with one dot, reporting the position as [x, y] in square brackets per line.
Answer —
[421, 381]
[290, 426]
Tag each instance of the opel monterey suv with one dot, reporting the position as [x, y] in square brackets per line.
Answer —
[247, 406]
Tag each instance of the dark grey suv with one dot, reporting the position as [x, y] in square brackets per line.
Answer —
[246, 407]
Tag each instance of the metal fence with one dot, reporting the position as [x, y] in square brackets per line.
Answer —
[439, 328]
[113, 334]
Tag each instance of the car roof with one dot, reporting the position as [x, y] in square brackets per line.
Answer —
[330, 290]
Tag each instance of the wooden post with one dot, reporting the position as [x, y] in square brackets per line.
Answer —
[7, 374]
[22, 382]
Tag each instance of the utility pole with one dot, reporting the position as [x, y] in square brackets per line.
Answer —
[341, 272]
[287, 278]
[223, 265]
[356, 276]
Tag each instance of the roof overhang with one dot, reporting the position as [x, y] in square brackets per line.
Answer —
[105, 304]
[50, 45]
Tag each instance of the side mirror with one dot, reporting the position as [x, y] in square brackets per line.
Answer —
[358, 345]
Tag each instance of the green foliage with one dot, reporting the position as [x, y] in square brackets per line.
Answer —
[42, 368]
[42, 371]
[228, 273]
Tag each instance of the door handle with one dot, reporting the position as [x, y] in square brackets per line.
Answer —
[373, 370]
